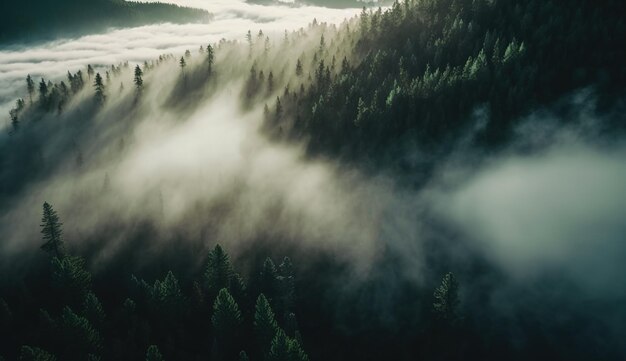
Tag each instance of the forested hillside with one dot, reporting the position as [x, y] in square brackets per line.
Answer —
[44, 20]
[124, 262]
[423, 67]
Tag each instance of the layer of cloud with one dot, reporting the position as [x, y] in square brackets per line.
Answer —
[559, 211]
[233, 18]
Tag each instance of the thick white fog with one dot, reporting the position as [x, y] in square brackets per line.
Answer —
[232, 19]
[560, 212]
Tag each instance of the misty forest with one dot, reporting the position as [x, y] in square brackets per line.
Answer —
[313, 180]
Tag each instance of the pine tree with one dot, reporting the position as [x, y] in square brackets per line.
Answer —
[270, 83]
[30, 86]
[99, 86]
[279, 349]
[269, 279]
[249, 41]
[210, 57]
[182, 64]
[153, 354]
[167, 296]
[218, 271]
[93, 311]
[43, 90]
[90, 72]
[299, 70]
[52, 232]
[286, 288]
[285, 349]
[29, 353]
[138, 80]
[267, 46]
[226, 322]
[265, 325]
[447, 298]
[13, 113]
[279, 110]
[79, 335]
[71, 277]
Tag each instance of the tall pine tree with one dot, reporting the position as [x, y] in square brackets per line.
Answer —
[447, 299]
[99, 86]
[52, 232]
[153, 354]
[265, 326]
[226, 322]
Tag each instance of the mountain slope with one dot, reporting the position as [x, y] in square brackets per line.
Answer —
[45, 20]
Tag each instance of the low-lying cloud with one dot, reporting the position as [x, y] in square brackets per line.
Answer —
[559, 211]
[233, 18]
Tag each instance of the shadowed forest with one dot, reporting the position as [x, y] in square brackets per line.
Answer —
[435, 180]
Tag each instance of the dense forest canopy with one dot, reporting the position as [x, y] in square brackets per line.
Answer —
[44, 20]
[437, 180]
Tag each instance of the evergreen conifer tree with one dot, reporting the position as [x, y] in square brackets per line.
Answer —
[265, 326]
[29, 353]
[218, 271]
[447, 298]
[52, 232]
[99, 86]
[153, 354]
[226, 322]
[30, 86]
[210, 57]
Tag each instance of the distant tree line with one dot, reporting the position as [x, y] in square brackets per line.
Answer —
[44, 20]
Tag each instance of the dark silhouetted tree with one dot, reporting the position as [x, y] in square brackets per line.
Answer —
[210, 58]
[182, 63]
[30, 86]
[153, 354]
[218, 271]
[43, 91]
[99, 86]
[93, 311]
[285, 349]
[265, 326]
[286, 291]
[299, 70]
[268, 279]
[90, 72]
[447, 299]
[29, 353]
[71, 277]
[270, 83]
[52, 232]
[138, 80]
[79, 336]
[226, 322]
